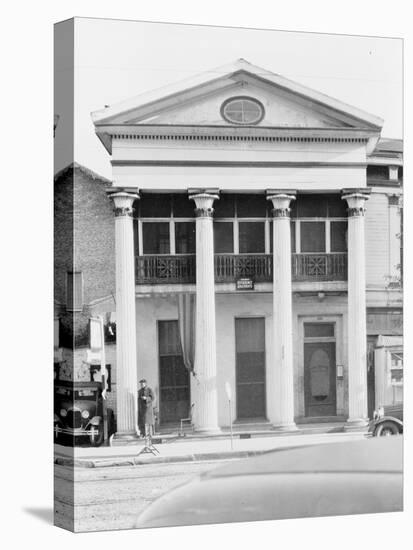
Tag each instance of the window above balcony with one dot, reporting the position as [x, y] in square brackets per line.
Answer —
[165, 224]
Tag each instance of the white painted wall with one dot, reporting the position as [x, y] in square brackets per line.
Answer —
[228, 307]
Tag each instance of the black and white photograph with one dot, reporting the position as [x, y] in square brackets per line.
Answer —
[228, 275]
[204, 232]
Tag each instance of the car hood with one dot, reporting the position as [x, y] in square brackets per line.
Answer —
[329, 479]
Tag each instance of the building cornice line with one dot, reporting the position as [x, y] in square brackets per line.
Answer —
[234, 164]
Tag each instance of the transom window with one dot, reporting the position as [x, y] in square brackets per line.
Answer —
[242, 110]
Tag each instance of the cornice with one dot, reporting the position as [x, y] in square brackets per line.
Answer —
[235, 133]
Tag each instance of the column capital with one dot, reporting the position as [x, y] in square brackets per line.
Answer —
[123, 200]
[281, 202]
[203, 203]
[356, 199]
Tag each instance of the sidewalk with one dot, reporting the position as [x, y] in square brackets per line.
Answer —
[196, 448]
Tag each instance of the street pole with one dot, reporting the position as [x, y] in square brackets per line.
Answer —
[228, 392]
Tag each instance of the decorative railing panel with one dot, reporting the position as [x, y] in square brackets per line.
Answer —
[319, 267]
[230, 267]
[165, 269]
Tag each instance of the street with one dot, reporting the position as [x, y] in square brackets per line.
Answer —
[111, 498]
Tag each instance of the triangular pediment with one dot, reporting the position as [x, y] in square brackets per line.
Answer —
[198, 101]
[280, 109]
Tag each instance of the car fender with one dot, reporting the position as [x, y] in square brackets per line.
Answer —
[388, 419]
[95, 420]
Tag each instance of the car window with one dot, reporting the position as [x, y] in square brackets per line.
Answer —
[85, 394]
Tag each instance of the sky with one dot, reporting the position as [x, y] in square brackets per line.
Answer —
[115, 60]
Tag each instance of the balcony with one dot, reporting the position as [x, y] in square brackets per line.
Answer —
[181, 269]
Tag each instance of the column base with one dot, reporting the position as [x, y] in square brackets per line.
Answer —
[285, 427]
[357, 425]
[125, 438]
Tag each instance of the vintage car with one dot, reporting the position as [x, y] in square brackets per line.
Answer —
[78, 412]
[387, 420]
[346, 477]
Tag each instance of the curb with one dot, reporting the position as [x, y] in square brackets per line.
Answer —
[136, 461]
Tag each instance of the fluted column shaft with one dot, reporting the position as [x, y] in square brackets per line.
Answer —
[357, 333]
[206, 405]
[126, 365]
[281, 381]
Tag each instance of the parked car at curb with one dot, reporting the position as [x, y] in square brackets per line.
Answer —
[387, 420]
[351, 477]
[78, 412]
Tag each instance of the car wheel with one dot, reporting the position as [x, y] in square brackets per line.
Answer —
[386, 428]
[96, 435]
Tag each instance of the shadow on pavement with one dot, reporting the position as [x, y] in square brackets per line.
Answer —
[44, 514]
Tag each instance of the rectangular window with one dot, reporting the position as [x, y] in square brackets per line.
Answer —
[183, 206]
[251, 237]
[313, 237]
[223, 237]
[377, 172]
[185, 237]
[224, 207]
[311, 206]
[396, 367]
[74, 291]
[136, 236]
[338, 236]
[318, 330]
[155, 238]
[155, 205]
[251, 206]
[337, 207]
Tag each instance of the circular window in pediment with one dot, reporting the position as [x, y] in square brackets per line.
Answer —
[242, 110]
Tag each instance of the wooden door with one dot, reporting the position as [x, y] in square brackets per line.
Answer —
[174, 394]
[250, 368]
[320, 378]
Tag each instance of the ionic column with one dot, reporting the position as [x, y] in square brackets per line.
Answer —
[281, 382]
[126, 366]
[357, 333]
[206, 405]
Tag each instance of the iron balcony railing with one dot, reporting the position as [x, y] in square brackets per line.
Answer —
[230, 267]
[161, 269]
[165, 269]
[319, 267]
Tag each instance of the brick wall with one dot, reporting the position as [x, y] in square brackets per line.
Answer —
[84, 240]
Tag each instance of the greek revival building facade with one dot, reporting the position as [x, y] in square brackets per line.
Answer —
[254, 250]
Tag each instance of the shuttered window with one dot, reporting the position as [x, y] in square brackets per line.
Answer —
[74, 291]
